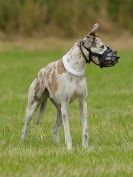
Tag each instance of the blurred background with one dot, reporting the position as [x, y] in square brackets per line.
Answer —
[36, 24]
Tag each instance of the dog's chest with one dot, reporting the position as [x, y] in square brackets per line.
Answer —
[61, 84]
[71, 87]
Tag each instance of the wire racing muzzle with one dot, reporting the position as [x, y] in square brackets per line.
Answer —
[107, 59]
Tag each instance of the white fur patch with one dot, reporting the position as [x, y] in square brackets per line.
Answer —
[98, 50]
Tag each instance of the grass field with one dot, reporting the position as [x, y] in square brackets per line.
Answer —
[110, 104]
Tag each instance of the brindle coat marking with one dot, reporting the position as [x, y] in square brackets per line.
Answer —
[62, 87]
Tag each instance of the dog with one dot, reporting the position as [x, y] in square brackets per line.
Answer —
[64, 80]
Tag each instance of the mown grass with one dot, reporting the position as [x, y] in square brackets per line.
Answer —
[110, 122]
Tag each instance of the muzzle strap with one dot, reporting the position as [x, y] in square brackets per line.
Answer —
[85, 57]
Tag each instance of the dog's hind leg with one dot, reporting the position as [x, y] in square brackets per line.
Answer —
[29, 113]
[35, 93]
[58, 121]
[57, 125]
[42, 109]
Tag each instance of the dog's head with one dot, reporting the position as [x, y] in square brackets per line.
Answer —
[99, 52]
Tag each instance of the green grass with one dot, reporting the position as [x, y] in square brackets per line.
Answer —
[110, 103]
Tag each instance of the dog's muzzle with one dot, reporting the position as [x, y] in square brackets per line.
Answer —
[107, 59]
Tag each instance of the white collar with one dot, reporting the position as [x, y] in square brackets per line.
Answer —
[70, 69]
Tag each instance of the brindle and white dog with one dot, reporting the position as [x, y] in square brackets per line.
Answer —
[64, 80]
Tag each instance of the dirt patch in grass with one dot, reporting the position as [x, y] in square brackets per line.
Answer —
[118, 42]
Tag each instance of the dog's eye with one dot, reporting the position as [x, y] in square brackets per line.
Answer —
[102, 47]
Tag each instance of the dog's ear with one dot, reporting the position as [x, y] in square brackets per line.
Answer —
[93, 31]
[88, 39]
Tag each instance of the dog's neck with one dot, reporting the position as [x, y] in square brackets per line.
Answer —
[74, 61]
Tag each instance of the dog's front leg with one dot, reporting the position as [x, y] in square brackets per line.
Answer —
[64, 111]
[83, 117]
